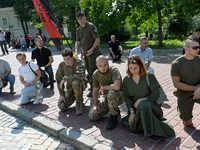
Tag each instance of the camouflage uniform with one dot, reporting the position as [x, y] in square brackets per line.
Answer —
[75, 85]
[110, 100]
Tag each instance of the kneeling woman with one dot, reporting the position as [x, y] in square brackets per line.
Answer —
[144, 114]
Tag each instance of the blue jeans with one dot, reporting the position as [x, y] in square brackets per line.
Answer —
[29, 93]
[11, 79]
[24, 47]
[49, 70]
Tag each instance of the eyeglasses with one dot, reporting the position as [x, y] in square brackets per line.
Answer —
[195, 47]
[131, 59]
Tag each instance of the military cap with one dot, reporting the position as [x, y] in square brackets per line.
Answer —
[80, 15]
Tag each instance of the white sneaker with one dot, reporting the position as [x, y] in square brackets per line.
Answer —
[38, 99]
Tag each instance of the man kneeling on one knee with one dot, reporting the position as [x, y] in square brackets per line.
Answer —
[71, 71]
[107, 83]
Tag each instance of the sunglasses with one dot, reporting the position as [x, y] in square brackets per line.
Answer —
[195, 47]
[131, 59]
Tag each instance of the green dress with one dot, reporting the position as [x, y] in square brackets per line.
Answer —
[148, 115]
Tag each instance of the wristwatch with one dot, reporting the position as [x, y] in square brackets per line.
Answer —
[132, 111]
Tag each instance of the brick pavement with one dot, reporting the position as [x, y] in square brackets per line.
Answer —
[16, 134]
[120, 137]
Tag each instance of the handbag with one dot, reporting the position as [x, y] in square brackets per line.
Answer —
[44, 78]
[162, 97]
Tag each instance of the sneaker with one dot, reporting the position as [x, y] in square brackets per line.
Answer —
[38, 99]
[12, 91]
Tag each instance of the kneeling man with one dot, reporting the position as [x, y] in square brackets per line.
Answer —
[72, 71]
[107, 83]
[32, 85]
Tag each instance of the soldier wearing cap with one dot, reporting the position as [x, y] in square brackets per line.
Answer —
[87, 34]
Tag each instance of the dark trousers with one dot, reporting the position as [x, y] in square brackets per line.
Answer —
[3, 43]
[49, 70]
[117, 54]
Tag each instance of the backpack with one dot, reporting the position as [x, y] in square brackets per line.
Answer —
[44, 78]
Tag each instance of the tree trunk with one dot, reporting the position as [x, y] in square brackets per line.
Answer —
[27, 31]
[23, 27]
[159, 28]
[72, 22]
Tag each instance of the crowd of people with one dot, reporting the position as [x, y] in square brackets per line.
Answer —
[19, 42]
[108, 89]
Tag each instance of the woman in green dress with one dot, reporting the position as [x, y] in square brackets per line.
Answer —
[144, 114]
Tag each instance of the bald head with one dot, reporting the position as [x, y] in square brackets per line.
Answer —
[102, 63]
[101, 57]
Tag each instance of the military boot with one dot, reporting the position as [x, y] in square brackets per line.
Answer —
[79, 108]
[111, 123]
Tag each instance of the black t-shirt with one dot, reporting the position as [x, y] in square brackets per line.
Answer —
[114, 46]
[8, 34]
[41, 55]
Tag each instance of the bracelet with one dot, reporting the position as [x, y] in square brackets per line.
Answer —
[132, 111]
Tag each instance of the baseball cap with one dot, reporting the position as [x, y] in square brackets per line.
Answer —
[80, 15]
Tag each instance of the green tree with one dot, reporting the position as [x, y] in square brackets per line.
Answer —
[106, 15]
[23, 10]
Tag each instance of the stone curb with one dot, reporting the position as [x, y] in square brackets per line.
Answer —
[55, 128]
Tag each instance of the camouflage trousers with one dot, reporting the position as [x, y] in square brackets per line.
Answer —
[108, 104]
[72, 94]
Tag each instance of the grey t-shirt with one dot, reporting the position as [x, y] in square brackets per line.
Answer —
[4, 67]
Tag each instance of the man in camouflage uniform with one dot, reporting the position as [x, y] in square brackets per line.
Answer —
[87, 34]
[107, 83]
[72, 71]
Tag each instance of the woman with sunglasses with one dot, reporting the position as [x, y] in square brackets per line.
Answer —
[144, 114]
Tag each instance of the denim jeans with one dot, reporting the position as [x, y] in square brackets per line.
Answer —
[28, 93]
[11, 79]
[24, 47]
[49, 70]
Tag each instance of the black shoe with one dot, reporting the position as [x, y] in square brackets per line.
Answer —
[118, 111]
[46, 84]
[90, 94]
[111, 123]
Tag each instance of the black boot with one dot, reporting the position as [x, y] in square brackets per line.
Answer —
[111, 123]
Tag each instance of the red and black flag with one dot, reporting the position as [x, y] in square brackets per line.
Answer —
[45, 13]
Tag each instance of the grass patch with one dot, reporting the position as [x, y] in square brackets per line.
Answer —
[128, 45]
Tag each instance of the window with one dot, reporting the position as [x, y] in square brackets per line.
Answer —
[19, 22]
[4, 23]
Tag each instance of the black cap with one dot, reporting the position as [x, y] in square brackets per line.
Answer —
[80, 15]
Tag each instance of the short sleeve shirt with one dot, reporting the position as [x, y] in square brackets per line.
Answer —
[4, 67]
[107, 78]
[27, 73]
[41, 55]
[187, 70]
[146, 55]
[114, 46]
[87, 35]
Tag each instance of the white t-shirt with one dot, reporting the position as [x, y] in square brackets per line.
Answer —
[27, 73]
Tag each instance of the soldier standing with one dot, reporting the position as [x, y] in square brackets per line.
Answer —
[72, 71]
[107, 83]
[87, 34]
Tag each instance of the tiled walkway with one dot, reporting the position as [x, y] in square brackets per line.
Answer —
[120, 137]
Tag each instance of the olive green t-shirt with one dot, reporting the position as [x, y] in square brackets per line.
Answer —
[187, 70]
[108, 78]
[87, 35]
